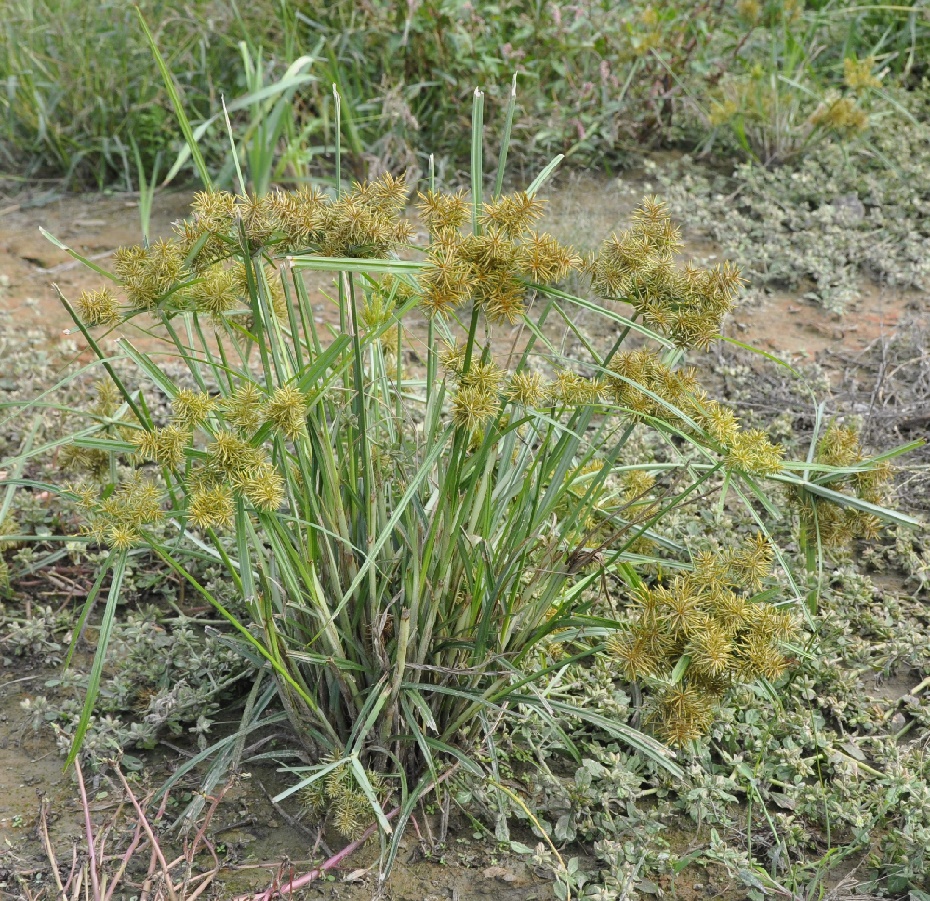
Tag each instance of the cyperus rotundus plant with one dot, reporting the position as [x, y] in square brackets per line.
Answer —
[416, 552]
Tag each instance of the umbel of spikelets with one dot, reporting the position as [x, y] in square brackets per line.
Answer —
[690, 640]
[338, 799]
[638, 265]
[838, 526]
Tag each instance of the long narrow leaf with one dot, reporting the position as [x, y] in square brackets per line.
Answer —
[116, 562]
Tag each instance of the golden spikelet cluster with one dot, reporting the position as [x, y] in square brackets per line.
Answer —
[197, 268]
[257, 219]
[572, 390]
[706, 624]
[301, 215]
[245, 468]
[636, 484]
[263, 486]
[8, 526]
[646, 388]
[366, 221]
[191, 408]
[526, 388]
[443, 213]
[286, 410]
[206, 236]
[858, 75]
[512, 214]
[164, 446]
[687, 304]
[148, 274]
[478, 391]
[117, 520]
[167, 445]
[98, 307]
[244, 408]
[752, 452]
[363, 222]
[837, 526]
[749, 10]
[210, 506]
[218, 291]
[473, 405]
[338, 797]
[493, 267]
[649, 389]
[722, 111]
[840, 114]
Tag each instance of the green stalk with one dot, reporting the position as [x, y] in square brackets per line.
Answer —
[505, 138]
[477, 157]
[338, 101]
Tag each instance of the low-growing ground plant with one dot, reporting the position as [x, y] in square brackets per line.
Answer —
[416, 553]
[841, 213]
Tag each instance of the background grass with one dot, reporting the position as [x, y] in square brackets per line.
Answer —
[598, 81]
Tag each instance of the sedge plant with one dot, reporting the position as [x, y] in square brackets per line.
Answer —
[415, 552]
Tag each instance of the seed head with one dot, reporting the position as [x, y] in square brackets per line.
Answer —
[259, 218]
[526, 388]
[218, 291]
[302, 216]
[573, 390]
[634, 655]
[512, 214]
[485, 377]
[544, 260]
[840, 114]
[287, 410]
[214, 211]
[710, 650]
[243, 408]
[98, 307]
[752, 452]
[163, 446]
[759, 657]
[233, 457]
[443, 211]
[472, 406]
[857, 73]
[685, 713]
[263, 486]
[447, 283]
[210, 506]
[191, 408]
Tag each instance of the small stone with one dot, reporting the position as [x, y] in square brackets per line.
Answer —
[238, 837]
[501, 873]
